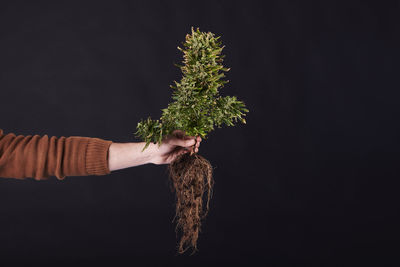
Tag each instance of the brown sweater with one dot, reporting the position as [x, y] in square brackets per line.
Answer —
[39, 157]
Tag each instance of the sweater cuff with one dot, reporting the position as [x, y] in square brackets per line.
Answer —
[97, 156]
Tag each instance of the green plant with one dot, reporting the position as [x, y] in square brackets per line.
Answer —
[197, 109]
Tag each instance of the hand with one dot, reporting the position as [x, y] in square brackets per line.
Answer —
[125, 155]
[174, 145]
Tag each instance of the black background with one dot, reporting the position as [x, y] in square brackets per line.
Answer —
[311, 179]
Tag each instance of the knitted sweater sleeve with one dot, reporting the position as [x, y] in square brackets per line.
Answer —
[39, 157]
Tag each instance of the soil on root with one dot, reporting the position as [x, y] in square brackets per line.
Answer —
[191, 177]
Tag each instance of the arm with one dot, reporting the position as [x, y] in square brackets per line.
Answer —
[42, 156]
[39, 157]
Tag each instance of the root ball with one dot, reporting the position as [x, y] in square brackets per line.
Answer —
[191, 177]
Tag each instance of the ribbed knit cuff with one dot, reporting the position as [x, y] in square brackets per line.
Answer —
[97, 156]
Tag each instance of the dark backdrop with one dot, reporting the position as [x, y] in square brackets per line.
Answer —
[312, 178]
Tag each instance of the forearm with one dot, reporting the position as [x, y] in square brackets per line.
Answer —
[125, 155]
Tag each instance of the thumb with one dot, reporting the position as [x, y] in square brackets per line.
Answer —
[183, 142]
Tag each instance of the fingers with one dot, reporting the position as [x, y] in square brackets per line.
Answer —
[195, 148]
[198, 141]
[179, 139]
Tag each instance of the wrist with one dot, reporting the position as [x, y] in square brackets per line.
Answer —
[149, 154]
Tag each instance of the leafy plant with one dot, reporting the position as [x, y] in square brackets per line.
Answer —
[196, 110]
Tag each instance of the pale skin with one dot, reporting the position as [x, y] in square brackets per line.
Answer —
[126, 155]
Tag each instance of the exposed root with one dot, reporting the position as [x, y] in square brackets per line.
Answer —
[191, 176]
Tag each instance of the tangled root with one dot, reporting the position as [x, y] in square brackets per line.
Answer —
[191, 176]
